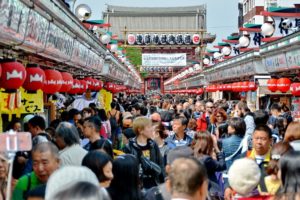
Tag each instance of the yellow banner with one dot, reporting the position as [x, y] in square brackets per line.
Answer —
[21, 102]
[105, 97]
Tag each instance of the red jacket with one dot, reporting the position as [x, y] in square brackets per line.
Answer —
[202, 123]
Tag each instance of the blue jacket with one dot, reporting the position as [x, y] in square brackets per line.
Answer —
[230, 145]
[173, 142]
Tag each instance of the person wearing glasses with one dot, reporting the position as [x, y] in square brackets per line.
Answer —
[217, 118]
[204, 120]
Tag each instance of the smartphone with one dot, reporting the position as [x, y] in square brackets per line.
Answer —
[20, 141]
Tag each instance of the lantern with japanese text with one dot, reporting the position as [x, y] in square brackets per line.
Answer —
[109, 86]
[283, 84]
[196, 39]
[13, 75]
[0, 70]
[228, 87]
[67, 82]
[53, 81]
[252, 86]
[75, 87]
[234, 87]
[90, 83]
[272, 84]
[155, 39]
[83, 87]
[200, 91]
[35, 78]
[295, 89]
[131, 39]
[239, 87]
[214, 88]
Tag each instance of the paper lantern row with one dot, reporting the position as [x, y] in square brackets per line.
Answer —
[32, 78]
[163, 39]
[233, 87]
[198, 91]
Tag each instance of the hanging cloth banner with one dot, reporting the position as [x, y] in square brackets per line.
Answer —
[169, 60]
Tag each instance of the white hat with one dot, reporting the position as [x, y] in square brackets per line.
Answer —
[27, 118]
[244, 175]
[66, 177]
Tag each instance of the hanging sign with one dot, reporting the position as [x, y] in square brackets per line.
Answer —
[276, 63]
[21, 102]
[153, 60]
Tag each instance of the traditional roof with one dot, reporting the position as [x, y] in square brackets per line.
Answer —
[151, 10]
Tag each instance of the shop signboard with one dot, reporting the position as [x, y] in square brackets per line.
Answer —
[21, 102]
[293, 58]
[161, 60]
[276, 63]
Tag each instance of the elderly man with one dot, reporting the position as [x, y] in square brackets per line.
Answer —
[67, 140]
[45, 161]
[188, 179]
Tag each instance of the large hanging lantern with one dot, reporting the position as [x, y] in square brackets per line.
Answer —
[252, 86]
[163, 39]
[155, 39]
[0, 70]
[295, 89]
[13, 75]
[187, 39]
[53, 81]
[179, 39]
[272, 84]
[67, 82]
[139, 39]
[147, 39]
[196, 39]
[171, 39]
[90, 83]
[131, 39]
[75, 87]
[109, 86]
[283, 84]
[35, 78]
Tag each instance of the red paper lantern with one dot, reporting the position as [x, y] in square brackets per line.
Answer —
[283, 84]
[228, 87]
[109, 86]
[13, 75]
[245, 86]
[75, 87]
[35, 78]
[0, 69]
[83, 87]
[53, 81]
[67, 82]
[272, 84]
[295, 89]
[252, 86]
[214, 88]
[239, 87]
[234, 87]
[90, 82]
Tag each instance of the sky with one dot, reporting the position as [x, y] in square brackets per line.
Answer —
[222, 15]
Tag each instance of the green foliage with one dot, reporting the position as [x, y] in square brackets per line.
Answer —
[134, 54]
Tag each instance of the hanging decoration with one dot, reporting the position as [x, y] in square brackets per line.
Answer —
[283, 84]
[295, 89]
[13, 75]
[75, 87]
[67, 82]
[35, 78]
[272, 84]
[53, 81]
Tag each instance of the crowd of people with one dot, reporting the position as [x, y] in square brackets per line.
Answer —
[158, 149]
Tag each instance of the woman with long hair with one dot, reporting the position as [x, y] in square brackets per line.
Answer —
[207, 151]
[218, 118]
[289, 173]
[105, 130]
[126, 182]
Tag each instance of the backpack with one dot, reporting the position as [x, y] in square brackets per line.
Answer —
[113, 121]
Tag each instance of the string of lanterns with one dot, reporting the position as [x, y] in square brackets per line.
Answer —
[14, 75]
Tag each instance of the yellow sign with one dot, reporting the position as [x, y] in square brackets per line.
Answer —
[106, 98]
[21, 102]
